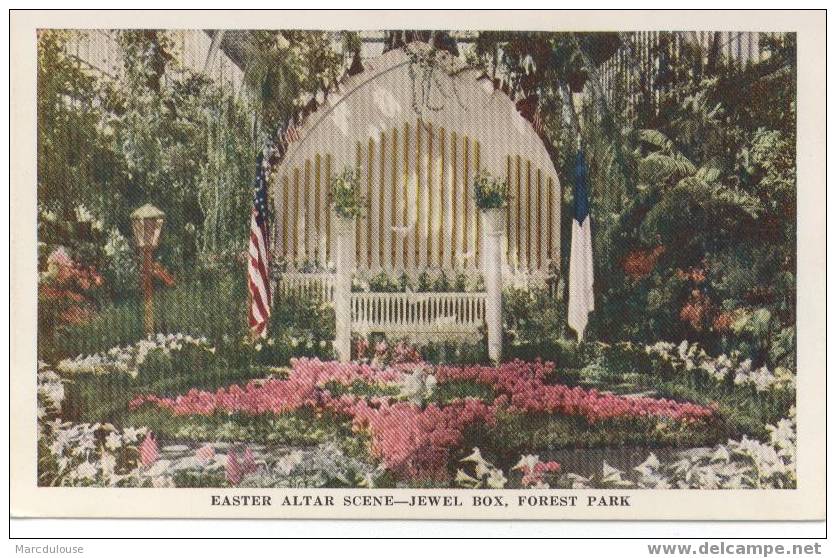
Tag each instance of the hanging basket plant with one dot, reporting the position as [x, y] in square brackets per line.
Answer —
[345, 193]
[490, 192]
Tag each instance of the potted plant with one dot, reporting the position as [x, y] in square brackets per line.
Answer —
[490, 192]
[345, 193]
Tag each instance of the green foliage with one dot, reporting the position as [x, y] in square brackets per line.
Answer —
[159, 364]
[517, 433]
[704, 248]
[298, 429]
[448, 391]
[212, 308]
[345, 193]
[627, 368]
[282, 64]
[744, 412]
[362, 389]
[490, 192]
[120, 266]
[533, 324]
[702, 186]
[384, 282]
[300, 326]
[156, 133]
[455, 352]
[105, 398]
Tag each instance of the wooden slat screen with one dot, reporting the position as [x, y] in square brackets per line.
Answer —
[420, 211]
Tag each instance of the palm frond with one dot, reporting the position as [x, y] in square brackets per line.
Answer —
[658, 140]
[658, 167]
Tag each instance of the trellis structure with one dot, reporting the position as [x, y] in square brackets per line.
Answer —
[418, 125]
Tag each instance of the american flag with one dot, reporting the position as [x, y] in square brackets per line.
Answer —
[258, 262]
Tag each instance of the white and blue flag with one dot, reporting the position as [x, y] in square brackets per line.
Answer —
[581, 276]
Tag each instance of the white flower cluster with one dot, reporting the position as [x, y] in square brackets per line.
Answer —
[737, 464]
[418, 386]
[90, 455]
[322, 465]
[484, 473]
[128, 359]
[687, 357]
[50, 392]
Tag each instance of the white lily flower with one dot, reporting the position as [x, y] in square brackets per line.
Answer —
[721, 454]
[578, 481]
[85, 471]
[527, 462]
[108, 465]
[474, 457]
[648, 466]
[496, 479]
[113, 441]
[463, 478]
[158, 468]
[131, 435]
[162, 482]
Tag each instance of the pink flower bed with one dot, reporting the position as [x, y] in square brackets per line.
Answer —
[523, 386]
[414, 442]
[301, 389]
[411, 441]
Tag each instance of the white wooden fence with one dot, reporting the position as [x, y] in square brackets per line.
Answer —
[314, 285]
[437, 314]
[404, 313]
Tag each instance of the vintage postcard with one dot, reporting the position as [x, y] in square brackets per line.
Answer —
[473, 265]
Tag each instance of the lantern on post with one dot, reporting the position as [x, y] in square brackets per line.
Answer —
[147, 222]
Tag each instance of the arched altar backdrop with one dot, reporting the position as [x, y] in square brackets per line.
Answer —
[418, 125]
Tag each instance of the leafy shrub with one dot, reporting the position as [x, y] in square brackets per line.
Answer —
[91, 455]
[534, 328]
[381, 351]
[703, 249]
[120, 269]
[624, 358]
[384, 282]
[455, 352]
[67, 295]
[211, 309]
[345, 193]
[490, 192]
[190, 359]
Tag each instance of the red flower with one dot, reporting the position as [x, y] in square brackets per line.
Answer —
[723, 321]
[233, 470]
[148, 450]
[696, 309]
[640, 263]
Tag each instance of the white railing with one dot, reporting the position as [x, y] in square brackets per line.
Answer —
[418, 313]
[315, 285]
[437, 315]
